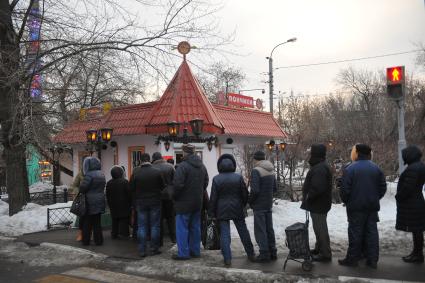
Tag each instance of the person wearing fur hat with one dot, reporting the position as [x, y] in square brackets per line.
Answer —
[411, 203]
[118, 195]
[189, 185]
[363, 186]
[263, 185]
[317, 199]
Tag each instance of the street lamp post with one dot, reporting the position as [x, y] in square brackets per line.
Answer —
[270, 58]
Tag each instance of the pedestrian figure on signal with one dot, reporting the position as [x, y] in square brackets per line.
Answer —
[118, 195]
[410, 201]
[317, 198]
[93, 186]
[263, 185]
[167, 206]
[147, 184]
[229, 196]
[189, 185]
[363, 186]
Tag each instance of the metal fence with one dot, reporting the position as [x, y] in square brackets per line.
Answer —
[59, 217]
[49, 197]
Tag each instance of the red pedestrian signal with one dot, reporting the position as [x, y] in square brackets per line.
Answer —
[395, 75]
[395, 82]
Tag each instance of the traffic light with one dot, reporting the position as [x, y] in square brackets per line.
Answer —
[395, 82]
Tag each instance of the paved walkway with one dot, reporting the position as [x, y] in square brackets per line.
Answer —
[389, 267]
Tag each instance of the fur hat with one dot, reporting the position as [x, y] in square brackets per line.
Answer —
[188, 148]
[363, 149]
[156, 156]
[318, 150]
[259, 155]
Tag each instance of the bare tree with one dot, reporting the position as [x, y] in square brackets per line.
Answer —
[74, 29]
[220, 77]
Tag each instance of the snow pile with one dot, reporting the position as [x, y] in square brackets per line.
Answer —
[32, 218]
[42, 187]
[286, 213]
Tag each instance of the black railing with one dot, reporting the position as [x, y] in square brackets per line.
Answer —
[59, 217]
[49, 197]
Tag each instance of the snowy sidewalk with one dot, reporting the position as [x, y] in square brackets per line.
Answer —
[390, 267]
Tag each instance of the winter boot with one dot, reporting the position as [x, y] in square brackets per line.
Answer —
[414, 258]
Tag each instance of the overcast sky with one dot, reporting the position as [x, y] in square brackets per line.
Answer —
[327, 30]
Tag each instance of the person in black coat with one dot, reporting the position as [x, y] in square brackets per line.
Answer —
[317, 198]
[410, 201]
[118, 196]
[229, 196]
[190, 183]
[263, 185]
[363, 186]
[167, 205]
[147, 184]
[93, 186]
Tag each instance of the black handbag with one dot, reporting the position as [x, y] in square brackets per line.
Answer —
[212, 235]
[78, 206]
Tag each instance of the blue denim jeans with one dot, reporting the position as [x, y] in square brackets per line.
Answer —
[188, 234]
[225, 238]
[149, 219]
[264, 233]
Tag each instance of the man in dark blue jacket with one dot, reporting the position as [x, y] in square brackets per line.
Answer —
[147, 184]
[263, 184]
[363, 185]
[189, 184]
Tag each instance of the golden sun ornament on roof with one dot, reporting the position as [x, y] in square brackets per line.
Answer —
[183, 47]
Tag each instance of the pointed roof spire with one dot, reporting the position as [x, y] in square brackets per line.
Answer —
[182, 101]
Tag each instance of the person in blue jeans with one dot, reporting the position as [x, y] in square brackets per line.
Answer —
[189, 183]
[229, 196]
[147, 184]
[263, 184]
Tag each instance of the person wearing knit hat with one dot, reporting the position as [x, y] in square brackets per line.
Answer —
[317, 199]
[189, 187]
[363, 185]
[263, 185]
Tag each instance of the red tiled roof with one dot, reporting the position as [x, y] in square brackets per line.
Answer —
[247, 122]
[75, 132]
[129, 120]
[182, 101]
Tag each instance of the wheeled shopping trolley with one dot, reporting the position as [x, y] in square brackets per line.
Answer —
[297, 242]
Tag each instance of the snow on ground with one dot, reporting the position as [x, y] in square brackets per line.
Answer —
[286, 213]
[32, 218]
[40, 187]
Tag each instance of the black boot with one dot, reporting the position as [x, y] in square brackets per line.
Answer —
[415, 258]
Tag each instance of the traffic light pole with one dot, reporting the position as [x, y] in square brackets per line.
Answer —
[401, 134]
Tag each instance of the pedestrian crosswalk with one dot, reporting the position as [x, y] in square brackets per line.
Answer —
[92, 275]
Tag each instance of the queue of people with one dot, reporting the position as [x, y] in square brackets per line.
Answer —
[157, 191]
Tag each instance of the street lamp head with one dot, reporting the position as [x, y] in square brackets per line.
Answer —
[173, 128]
[292, 39]
[106, 134]
[91, 135]
[196, 125]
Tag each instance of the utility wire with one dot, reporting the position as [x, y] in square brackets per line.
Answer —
[349, 60]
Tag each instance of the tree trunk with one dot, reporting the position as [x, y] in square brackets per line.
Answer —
[14, 149]
[16, 178]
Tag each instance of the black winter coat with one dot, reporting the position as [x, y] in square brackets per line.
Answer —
[167, 171]
[229, 194]
[190, 181]
[118, 194]
[363, 185]
[410, 200]
[263, 184]
[147, 184]
[93, 186]
[317, 189]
